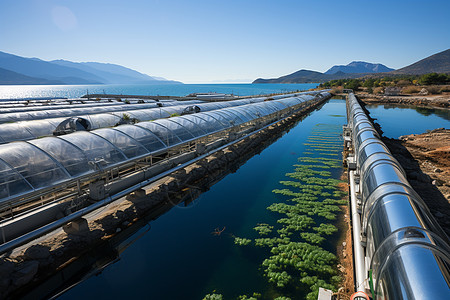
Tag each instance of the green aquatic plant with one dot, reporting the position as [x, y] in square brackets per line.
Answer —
[295, 222]
[280, 278]
[255, 296]
[270, 242]
[242, 241]
[310, 237]
[330, 154]
[213, 296]
[263, 228]
[326, 229]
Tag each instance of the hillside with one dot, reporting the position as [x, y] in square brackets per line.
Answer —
[10, 77]
[437, 63]
[307, 76]
[36, 71]
[112, 73]
[41, 69]
[359, 67]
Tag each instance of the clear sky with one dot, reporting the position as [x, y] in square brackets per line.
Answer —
[197, 41]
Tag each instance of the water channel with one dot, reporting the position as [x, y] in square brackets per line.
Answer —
[180, 257]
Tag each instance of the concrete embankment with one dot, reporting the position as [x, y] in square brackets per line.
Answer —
[31, 265]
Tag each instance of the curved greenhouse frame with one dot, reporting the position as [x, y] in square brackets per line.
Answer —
[29, 166]
[44, 113]
[28, 130]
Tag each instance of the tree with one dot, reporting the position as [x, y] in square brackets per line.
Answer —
[353, 84]
[434, 78]
[369, 83]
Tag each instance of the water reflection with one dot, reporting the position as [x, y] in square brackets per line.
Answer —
[398, 120]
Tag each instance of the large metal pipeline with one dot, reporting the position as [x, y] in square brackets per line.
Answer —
[406, 251]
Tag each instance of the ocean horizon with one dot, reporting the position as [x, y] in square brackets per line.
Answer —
[17, 92]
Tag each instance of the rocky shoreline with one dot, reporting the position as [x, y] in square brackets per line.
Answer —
[440, 101]
[426, 160]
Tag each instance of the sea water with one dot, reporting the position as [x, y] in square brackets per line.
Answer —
[8, 92]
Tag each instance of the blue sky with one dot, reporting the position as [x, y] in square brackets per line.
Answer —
[213, 41]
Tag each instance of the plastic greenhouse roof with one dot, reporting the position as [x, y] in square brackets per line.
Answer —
[73, 111]
[27, 130]
[32, 165]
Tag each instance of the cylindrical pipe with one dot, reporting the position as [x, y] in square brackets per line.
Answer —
[409, 252]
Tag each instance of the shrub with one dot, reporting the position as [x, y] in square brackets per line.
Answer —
[336, 90]
[445, 89]
[378, 90]
[434, 90]
[411, 89]
[403, 82]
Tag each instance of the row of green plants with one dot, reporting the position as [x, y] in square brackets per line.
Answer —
[296, 247]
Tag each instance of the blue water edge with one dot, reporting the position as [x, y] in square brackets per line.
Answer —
[398, 120]
[8, 92]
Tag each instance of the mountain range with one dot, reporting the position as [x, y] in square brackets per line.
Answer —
[359, 67]
[439, 63]
[21, 70]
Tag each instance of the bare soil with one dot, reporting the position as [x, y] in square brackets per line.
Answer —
[426, 160]
[345, 249]
[416, 100]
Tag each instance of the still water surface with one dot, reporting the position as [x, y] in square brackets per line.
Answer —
[397, 120]
[179, 258]
[8, 92]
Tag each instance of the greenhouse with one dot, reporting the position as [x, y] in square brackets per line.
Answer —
[44, 113]
[48, 162]
[52, 106]
[27, 130]
[24, 103]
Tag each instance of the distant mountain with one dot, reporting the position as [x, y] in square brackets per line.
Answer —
[307, 76]
[10, 77]
[437, 63]
[359, 67]
[66, 72]
[111, 73]
[38, 68]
